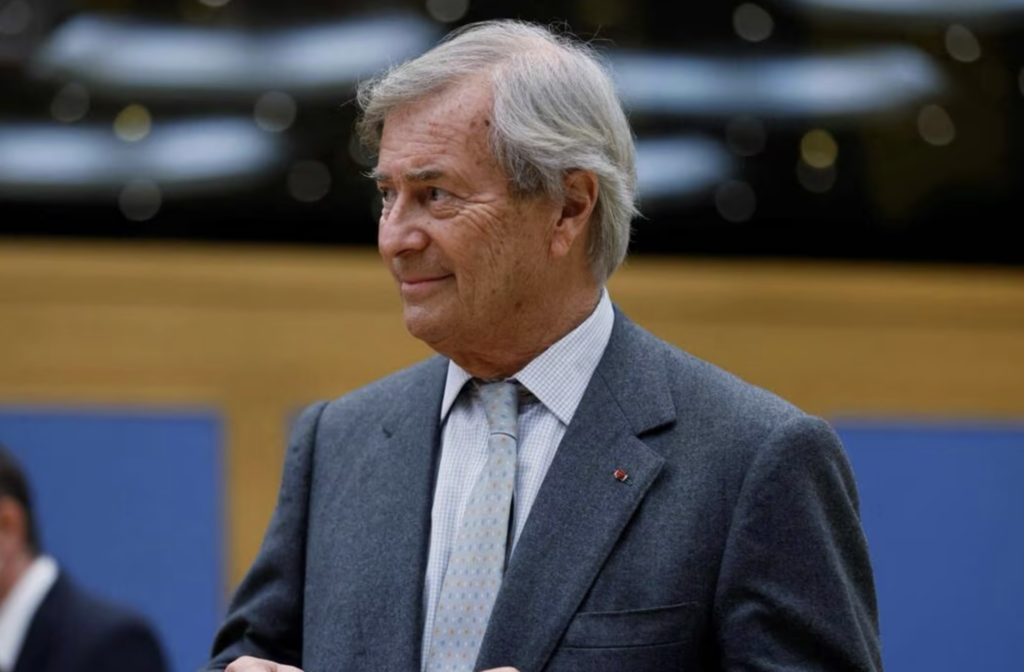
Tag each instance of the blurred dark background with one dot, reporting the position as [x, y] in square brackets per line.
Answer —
[861, 129]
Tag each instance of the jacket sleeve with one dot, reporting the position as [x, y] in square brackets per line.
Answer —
[264, 618]
[796, 590]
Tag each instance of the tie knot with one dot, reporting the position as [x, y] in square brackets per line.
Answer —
[501, 404]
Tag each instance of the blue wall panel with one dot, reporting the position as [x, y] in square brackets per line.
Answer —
[130, 503]
[943, 509]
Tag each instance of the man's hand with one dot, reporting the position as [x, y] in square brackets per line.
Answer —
[250, 664]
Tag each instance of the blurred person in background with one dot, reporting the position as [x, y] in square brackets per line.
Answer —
[559, 490]
[47, 623]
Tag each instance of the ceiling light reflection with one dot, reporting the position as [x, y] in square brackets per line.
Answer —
[118, 57]
[941, 10]
[837, 85]
[683, 167]
[183, 158]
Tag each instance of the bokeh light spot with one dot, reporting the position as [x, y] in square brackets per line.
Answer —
[309, 181]
[819, 149]
[746, 136]
[752, 23]
[815, 180]
[140, 200]
[736, 201]
[15, 18]
[447, 11]
[962, 45]
[275, 111]
[70, 104]
[935, 126]
[133, 123]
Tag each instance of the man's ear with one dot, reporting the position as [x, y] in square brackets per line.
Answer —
[581, 191]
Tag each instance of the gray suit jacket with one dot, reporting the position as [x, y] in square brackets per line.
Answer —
[736, 545]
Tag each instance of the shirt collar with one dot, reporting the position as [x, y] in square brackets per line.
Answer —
[559, 376]
[18, 610]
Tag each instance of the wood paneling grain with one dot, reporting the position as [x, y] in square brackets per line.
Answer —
[259, 332]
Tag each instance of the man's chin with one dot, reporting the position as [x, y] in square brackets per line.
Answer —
[425, 326]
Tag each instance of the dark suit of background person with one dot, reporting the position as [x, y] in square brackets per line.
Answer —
[730, 539]
[65, 629]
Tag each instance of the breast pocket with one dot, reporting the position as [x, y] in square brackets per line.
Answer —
[639, 640]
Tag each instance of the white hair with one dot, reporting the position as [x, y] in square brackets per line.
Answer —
[555, 111]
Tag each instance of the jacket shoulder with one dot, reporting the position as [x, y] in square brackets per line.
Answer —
[371, 404]
[713, 402]
[96, 614]
[86, 627]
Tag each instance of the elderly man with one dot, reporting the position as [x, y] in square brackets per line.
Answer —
[559, 490]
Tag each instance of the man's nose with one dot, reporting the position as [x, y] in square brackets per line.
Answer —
[401, 229]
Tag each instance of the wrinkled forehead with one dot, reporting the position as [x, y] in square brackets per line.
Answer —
[452, 124]
[467, 99]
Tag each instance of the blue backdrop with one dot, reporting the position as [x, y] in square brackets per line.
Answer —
[943, 509]
[130, 503]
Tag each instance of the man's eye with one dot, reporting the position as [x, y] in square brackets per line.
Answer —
[438, 194]
[386, 194]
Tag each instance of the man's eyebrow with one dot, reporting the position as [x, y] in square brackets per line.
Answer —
[378, 176]
[421, 175]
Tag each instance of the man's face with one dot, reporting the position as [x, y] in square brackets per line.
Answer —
[467, 256]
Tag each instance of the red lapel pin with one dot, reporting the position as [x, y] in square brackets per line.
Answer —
[621, 476]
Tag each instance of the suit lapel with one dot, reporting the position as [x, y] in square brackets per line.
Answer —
[582, 509]
[400, 490]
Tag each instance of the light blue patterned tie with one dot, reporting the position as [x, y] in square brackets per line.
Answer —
[477, 559]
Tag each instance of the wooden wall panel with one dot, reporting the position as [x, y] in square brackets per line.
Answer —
[259, 332]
